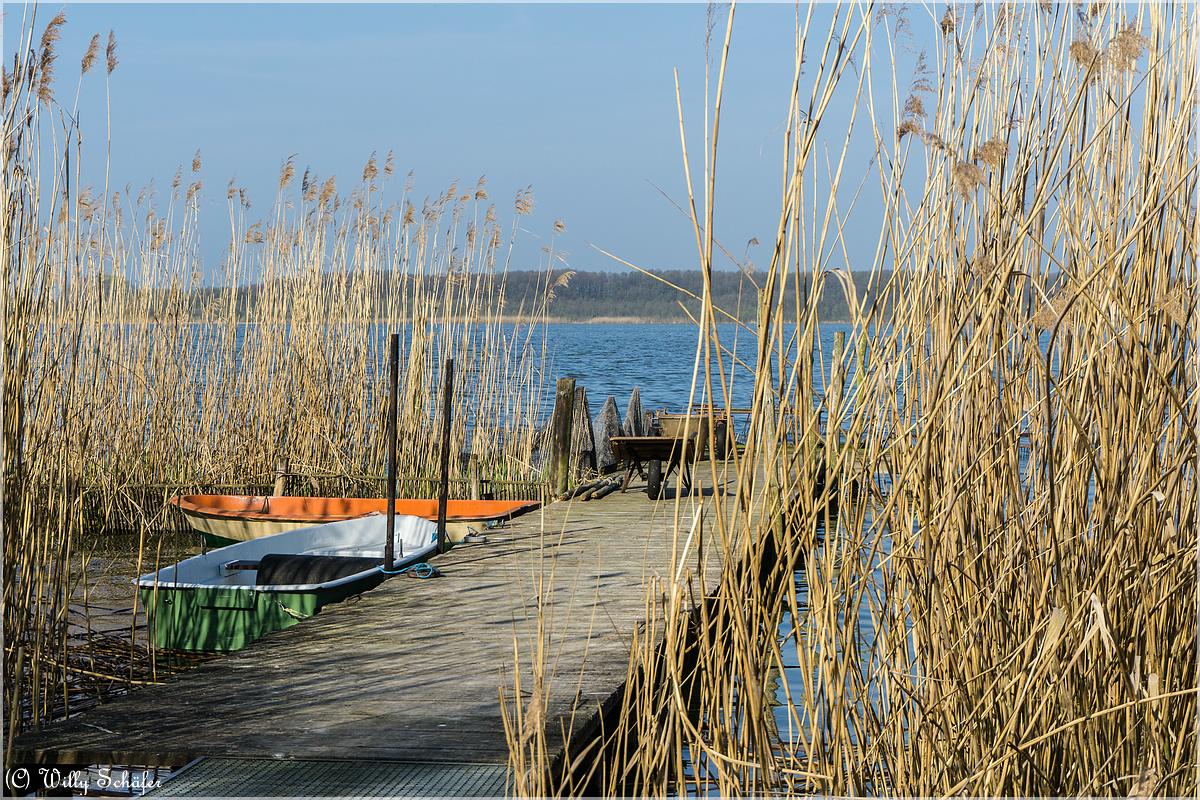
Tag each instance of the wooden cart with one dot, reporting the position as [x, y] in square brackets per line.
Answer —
[656, 457]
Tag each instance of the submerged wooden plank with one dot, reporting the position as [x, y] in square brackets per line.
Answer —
[413, 670]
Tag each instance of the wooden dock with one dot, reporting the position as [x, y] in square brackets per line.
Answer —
[413, 670]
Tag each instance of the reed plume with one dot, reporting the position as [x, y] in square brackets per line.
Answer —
[89, 56]
[45, 71]
[110, 53]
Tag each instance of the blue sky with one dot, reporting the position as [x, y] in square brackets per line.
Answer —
[576, 101]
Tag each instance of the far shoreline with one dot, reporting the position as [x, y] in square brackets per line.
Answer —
[483, 320]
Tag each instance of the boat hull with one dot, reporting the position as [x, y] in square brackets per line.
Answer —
[223, 620]
[224, 599]
[225, 519]
[218, 532]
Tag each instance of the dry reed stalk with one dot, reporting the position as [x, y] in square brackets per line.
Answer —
[982, 538]
[124, 372]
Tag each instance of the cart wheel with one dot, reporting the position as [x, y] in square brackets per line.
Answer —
[654, 479]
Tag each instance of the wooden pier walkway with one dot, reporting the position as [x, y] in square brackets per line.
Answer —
[412, 671]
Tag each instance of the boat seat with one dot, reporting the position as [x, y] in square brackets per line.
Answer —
[287, 569]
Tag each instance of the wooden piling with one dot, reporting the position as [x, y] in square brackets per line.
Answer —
[473, 477]
[633, 414]
[608, 425]
[560, 435]
[389, 545]
[583, 446]
[281, 476]
[444, 487]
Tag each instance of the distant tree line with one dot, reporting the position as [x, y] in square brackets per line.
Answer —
[591, 295]
[581, 296]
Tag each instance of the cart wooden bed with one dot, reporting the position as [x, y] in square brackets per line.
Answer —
[655, 457]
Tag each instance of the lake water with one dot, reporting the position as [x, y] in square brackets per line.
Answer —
[611, 359]
[607, 359]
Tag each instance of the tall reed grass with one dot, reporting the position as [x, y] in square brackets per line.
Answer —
[972, 564]
[132, 371]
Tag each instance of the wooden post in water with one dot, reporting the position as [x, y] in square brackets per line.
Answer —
[444, 488]
[389, 545]
[560, 435]
[473, 477]
[281, 476]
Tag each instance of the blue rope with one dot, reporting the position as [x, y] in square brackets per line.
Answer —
[418, 570]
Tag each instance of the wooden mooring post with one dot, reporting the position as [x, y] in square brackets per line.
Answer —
[473, 477]
[281, 476]
[389, 544]
[560, 435]
[444, 486]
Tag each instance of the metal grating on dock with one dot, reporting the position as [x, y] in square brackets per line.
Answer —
[241, 777]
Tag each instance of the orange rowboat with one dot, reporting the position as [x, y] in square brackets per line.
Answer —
[227, 518]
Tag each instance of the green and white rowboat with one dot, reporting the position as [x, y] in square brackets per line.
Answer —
[227, 598]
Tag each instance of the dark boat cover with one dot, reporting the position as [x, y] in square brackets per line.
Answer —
[286, 569]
